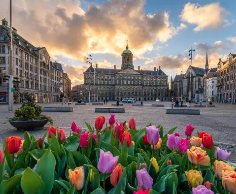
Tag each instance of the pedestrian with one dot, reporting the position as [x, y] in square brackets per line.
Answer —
[104, 101]
[181, 103]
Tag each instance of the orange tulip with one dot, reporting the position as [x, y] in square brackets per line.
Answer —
[229, 179]
[132, 124]
[53, 130]
[126, 136]
[99, 122]
[220, 166]
[158, 145]
[13, 144]
[115, 175]
[77, 177]
[196, 141]
[62, 135]
[197, 155]
[194, 177]
[169, 162]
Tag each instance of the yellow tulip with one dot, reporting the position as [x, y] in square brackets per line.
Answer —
[229, 179]
[77, 177]
[196, 141]
[194, 177]
[155, 164]
[158, 145]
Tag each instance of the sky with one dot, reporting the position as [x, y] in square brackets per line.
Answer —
[159, 32]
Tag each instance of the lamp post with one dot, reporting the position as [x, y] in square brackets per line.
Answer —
[89, 61]
[190, 81]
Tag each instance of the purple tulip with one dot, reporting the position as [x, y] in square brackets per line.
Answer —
[201, 190]
[152, 135]
[222, 154]
[144, 179]
[74, 127]
[34, 167]
[184, 145]
[189, 129]
[112, 120]
[107, 162]
[173, 141]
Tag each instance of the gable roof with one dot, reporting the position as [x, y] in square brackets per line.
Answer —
[178, 78]
[198, 70]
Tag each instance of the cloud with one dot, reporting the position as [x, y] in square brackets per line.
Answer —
[231, 39]
[64, 28]
[217, 46]
[210, 16]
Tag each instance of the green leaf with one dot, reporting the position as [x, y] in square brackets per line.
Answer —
[208, 176]
[160, 131]
[124, 150]
[63, 184]
[160, 186]
[96, 182]
[121, 185]
[45, 168]
[31, 182]
[55, 145]
[27, 141]
[80, 160]
[19, 163]
[172, 183]
[98, 191]
[89, 128]
[8, 156]
[8, 186]
[37, 153]
[138, 135]
[212, 151]
[131, 173]
[106, 137]
[2, 167]
[166, 170]
[72, 145]
[71, 161]
[72, 190]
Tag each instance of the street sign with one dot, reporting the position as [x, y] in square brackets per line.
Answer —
[13, 90]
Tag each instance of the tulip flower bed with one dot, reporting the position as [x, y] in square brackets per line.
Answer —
[115, 158]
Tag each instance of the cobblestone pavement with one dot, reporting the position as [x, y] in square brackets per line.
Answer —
[219, 121]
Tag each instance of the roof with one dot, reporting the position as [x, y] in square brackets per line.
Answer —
[127, 51]
[178, 78]
[59, 67]
[114, 71]
[212, 70]
[198, 70]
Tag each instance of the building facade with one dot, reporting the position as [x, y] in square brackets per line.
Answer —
[210, 85]
[78, 93]
[32, 70]
[117, 84]
[226, 80]
[177, 87]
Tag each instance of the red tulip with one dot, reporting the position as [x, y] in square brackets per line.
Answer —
[40, 142]
[132, 124]
[62, 135]
[169, 162]
[120, 129]
[53, 130]
[176, 134]
[83, 140]
[201, 134]
[208, 185]
[207, 141]
[115, 175]
[99, 122]
[13, 144]
[1, 156]
[126, 136]
[145, 141]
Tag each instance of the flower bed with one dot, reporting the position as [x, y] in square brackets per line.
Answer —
[116, 158]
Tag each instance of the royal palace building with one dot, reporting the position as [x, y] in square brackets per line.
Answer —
[117, 84]
[226, 80]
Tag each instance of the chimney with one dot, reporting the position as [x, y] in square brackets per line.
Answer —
[159, 68]
[138, 67]
[114, 66]
[96, 65]
[155, 68]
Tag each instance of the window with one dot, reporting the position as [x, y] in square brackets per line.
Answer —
[2, 49]
[2, 60]
[16, 62]
[16, 71]
[16, 51]
[1, 37]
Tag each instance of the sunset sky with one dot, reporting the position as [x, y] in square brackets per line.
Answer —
[159, 32]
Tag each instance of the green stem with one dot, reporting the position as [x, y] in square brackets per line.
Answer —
[104, 182]
[12, 159]
[153, 150]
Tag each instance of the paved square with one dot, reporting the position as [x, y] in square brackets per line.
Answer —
[219, 121]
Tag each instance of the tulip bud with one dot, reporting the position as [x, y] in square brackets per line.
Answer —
[132, 124]
[40, 142]
[142, 165]
[77, 177]
[62, 135]
[155, 164]
[133, 143]
[1, 156]
[91, 176]
[145, 141]
[53, 130]
[13, 144]
[169, 162]
[99, 122]
[189, 129]
[112, 120]
[115, 175]
[126, 136]
[208, 185]
[74, 127]
[83, 140]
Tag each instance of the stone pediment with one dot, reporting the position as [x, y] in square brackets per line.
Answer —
[129, 71]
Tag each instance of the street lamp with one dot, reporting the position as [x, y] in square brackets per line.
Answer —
[190, 81]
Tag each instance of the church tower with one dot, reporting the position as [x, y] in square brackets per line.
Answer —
[127, 59]
[206, 65]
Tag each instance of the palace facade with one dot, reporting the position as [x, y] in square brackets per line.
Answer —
[116, 84]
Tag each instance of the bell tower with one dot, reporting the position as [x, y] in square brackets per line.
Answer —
[127, 59]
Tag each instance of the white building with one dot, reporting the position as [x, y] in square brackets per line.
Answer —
[32, 70]
[211, 85]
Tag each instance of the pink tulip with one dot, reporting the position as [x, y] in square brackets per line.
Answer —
[112, 120]
[176, 134]
[107, 162]
[144, 179]
[173, 141]
[120, 129]
[152, 135]
[184, 145]
[95, 136]
[83, 140]
[222, 154]
[189, 129]
[74, 127]
[201, 190]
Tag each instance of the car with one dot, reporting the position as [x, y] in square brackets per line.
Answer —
[125, 100]
[131, 100]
